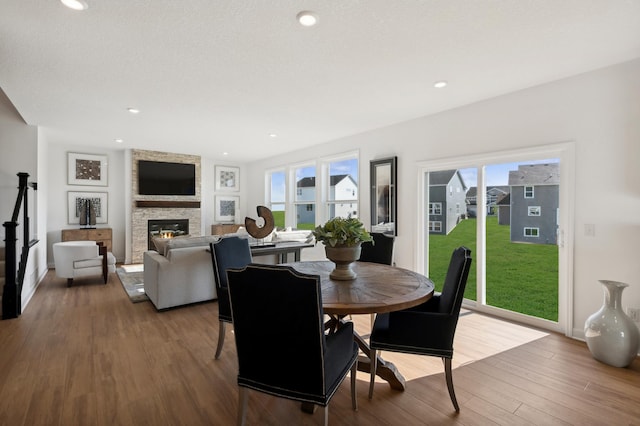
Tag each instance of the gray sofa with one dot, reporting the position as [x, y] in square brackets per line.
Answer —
[180, 271]
[181, 274]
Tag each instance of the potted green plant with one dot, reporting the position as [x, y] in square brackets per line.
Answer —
[342, 238]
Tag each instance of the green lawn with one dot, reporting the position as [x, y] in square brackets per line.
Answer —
[520, 277]
[278, 218]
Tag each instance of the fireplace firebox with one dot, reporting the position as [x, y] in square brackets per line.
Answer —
[166, 228]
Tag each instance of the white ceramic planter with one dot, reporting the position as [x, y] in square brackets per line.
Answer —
[612, 337]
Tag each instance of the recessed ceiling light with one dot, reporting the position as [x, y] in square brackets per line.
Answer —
[440, 84]
[133, 110]
[119, 140]
[307, 19]
[75, 4]
[273, 135]
[225, 153]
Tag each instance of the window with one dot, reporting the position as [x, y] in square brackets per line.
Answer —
[305, 178]
[528, 192]
[342, 188]
[304, 194]
[435, 226]
[531, 232]
[534, 210]
[435, 208]
[277, 191]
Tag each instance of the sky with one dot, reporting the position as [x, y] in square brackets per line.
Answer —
[498, 174]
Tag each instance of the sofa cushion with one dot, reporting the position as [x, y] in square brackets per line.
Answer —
[180, 242]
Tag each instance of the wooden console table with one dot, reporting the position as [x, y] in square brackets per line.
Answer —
[103, 235]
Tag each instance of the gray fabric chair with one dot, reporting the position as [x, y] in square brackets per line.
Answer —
[228, 252]
[429, 328]
[293, 358]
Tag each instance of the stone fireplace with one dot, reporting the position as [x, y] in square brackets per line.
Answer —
[163, 209]
[166, 228]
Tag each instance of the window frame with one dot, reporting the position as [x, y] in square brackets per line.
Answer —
[321, 200]
[529, 191]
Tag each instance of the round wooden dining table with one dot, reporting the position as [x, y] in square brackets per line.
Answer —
[377, 289]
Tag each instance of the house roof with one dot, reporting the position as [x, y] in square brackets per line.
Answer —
[535, 174]
[442, 177]
[494, 190]
[504, 200]
[220, 76]
[310, 181]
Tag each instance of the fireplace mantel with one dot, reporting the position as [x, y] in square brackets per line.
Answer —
[168, 204]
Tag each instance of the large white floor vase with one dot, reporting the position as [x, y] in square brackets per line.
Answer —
[612, 337]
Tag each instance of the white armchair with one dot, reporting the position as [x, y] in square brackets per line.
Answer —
[74, 259]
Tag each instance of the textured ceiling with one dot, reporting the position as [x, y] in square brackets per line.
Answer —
[220, 76]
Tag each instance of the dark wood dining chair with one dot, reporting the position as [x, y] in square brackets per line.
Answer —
[298, 361]
[380, 251]
[429, 328]
[228, 252]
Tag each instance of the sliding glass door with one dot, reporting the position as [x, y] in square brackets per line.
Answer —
[508, 210]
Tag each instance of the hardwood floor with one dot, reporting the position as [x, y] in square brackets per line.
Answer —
[86, 355]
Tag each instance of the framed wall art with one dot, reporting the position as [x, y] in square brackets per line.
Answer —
[76, 201]
[226, 208]
[227, 178]
[87, 169]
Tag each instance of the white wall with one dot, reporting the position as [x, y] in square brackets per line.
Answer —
[118, 189]
[599, 111]
[57, 189]
[19, 150]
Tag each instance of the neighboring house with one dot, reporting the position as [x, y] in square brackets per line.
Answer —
[494, 193]
[503, 207]
[447, 201]
[534, 203]
[341, 188]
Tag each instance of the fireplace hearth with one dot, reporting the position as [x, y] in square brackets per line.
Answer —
[166, 228]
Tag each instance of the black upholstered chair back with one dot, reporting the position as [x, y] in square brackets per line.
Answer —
[279, 331]
[429, 328]
[381, 251]
[228, 252]
[455, 282]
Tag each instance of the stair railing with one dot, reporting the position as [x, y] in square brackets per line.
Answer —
[12, 291]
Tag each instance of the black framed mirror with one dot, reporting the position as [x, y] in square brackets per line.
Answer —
[384, 190]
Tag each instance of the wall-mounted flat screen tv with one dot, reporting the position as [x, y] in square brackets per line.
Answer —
[163, 178]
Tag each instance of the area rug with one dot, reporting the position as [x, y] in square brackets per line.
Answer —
[132, 279]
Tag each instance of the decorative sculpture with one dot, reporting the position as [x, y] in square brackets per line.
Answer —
[261, 227]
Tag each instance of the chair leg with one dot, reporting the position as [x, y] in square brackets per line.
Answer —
[449, 377]
[243, 397]
[325, 412]
[372, 366]
[354, 400]
[221, 332]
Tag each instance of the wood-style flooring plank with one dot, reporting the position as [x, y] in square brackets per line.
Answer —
[87, 355]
